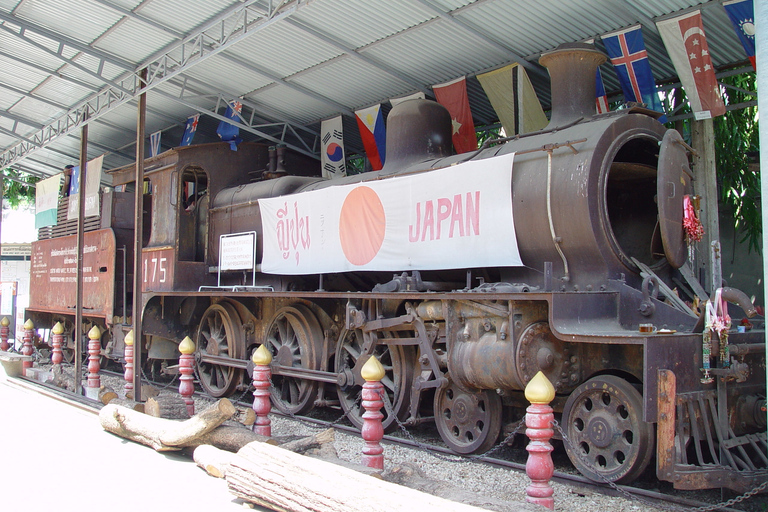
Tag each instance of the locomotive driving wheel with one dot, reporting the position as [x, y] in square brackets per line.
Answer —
[398, 363]
[291, 338]
[468, 422]
[220, 334]
[607, 438]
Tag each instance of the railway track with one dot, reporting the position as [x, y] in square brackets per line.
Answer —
[424, 440]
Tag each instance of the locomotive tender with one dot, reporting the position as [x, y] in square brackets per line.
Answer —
[464, 274]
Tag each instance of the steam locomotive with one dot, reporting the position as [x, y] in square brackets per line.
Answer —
[465, 275]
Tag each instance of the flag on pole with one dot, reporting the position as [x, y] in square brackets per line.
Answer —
[601, 99]
[453, 96]
[154, 143]
[92, 181]
[513, 98]
[332, 156]
[415, 96]
[47, 201]
[626, 49]
[371, 123]
[189, 130]
[742, 15]
[687, 47]
[229, 132]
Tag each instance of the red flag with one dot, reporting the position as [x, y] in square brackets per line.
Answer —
[687, 47]
[453, 96]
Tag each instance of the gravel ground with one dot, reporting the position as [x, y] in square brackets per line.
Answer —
[500, 483]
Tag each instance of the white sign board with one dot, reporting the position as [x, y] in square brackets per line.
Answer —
[237, 251]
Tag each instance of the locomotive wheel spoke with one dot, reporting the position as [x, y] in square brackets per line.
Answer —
[608, 437]
[220, 334]
[468, 422]
[292, 338]
[398, 363]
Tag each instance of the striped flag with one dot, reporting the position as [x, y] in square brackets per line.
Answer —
[47, 201]
[371, 123]
[626, 49]
[601, 99]
[742, 15]
[154, 143]
[687, 47]
[453, 96]
[513, 98]
[332, 156]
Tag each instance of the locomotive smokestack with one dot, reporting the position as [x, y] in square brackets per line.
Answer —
[417, 130]
[572, 69]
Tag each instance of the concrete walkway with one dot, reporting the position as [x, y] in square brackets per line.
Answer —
[57, 457]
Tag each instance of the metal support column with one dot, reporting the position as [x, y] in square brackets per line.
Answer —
[78, 332]
[138, 303]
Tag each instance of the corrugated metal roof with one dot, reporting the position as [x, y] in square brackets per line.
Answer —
[325, 58]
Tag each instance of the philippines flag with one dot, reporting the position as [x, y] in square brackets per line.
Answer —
[189, 130]
[453, 96]
[601, 99]
[687, 47]
[742, 14]
[626, 49]
[229, 132]
[371, 123]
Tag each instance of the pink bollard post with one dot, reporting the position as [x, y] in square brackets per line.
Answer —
[186, 368]
[538, 419]
[128, 375]
[27, 350]
[94, 361]
[373, 431]
[58, 338]
[4, 333]
[261, 381]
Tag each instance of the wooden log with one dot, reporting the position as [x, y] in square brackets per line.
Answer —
[128, 404]
[283, 480]
[106, 394]
[162, 434]
[62, 379]
[212, 460]
[310, 442]
[147, 391]
[170, 407]
[245, 416]
[409, 475]
[229, 438]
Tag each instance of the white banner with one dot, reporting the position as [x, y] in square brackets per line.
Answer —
[456, 217]
[92, 181]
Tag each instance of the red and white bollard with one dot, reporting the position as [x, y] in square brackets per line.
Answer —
[186, 368]
[58, 338]
[128, 375]
[4, 333]
[373, 431]
[538, 419]
[29, 326]
[262, 374]
[94, 363]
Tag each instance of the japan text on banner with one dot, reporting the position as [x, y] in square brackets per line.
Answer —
[626, 49]
[687, 46]
[742, 15]
[371, 123]
[332, 155]
[453, 96]
[456, 217]
[229, 132]
[189, 130]
[47, 201]
[154, 143]
[415, 96]
[92, 181]
[513, 98]
[601, 99]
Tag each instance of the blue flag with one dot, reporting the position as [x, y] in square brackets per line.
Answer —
[601, 99]
[630, 60]
[230, 132]
[742, 15]
[189, 130]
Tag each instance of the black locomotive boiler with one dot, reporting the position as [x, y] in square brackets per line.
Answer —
[595, 208]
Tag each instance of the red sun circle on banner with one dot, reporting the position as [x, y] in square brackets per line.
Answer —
[361, 225]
